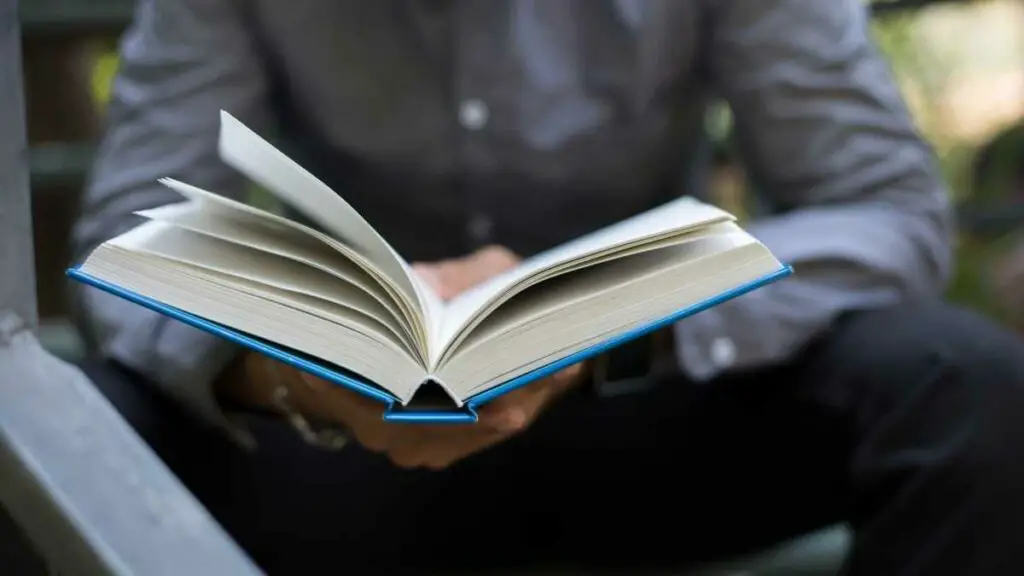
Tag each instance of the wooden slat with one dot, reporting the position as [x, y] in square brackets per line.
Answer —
[60, 164]
[57, 16]
[886, 7]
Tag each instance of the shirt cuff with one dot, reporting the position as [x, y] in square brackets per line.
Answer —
[731, 336]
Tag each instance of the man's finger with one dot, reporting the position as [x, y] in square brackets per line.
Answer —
[457, 276]
[449, 278]
[515, 410]
[415, 446]
[484, 264]
[493, 260]
[568, 376]
[360, 414]
[448, 453]
[429, 274]
[407, 450]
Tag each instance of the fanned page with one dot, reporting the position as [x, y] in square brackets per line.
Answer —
[215, 204]
[646, 231]
[247, 152]
[315, 267]
[262, 294]
[601, 303]
[443, 325]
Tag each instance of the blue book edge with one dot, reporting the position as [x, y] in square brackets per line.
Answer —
[394, 411]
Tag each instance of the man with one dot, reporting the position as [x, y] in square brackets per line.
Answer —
[475, 133]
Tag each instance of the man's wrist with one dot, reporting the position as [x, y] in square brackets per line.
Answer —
[257, 384]
[254, 382]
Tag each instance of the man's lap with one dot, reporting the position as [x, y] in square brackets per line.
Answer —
[678, 472]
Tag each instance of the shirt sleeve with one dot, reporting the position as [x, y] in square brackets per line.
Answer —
[181, 62]
[860, 209]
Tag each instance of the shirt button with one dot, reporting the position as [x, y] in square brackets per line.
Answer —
[723, 352]
[473, 114]
[480, 228]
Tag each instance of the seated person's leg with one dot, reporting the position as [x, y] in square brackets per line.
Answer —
[931, 402]
[294, 508]
[659, 477]
[904, 422]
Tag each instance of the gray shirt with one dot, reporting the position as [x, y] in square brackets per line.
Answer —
[525, 123]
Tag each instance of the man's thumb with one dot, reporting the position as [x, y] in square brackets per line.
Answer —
[431, 275]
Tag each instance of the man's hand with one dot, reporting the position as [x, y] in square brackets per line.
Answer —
[449, 278]
[410, 445]
[437, 447]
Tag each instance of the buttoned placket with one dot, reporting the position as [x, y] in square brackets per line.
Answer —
[474, 115]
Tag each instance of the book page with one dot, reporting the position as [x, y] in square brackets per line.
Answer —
[600, 303]
[212, 201]
[247, 152]
[677, 217]
[318, 330]
[333, 299]
[267, 236]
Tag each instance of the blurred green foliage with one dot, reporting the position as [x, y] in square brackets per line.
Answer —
[918, 64]
[103, 74]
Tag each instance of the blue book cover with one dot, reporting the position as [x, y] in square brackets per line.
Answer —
[393, 410]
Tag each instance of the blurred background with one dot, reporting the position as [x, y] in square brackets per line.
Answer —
[960, 64]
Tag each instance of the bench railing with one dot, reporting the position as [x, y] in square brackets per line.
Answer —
[77, 480]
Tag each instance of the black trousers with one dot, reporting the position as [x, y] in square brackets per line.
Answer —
[907, 423]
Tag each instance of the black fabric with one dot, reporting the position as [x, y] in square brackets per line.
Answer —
[17, 554]
[906, 422]
[634, 359]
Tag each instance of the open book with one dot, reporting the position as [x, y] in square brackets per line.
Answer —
[337, 301]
